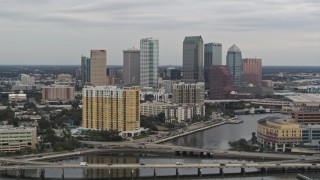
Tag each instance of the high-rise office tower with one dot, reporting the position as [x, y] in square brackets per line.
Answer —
[190, 93]
[85, 70]
[98, 65]
[234, 65]
[111, 108]
[252, 71]
[212, 56]
[131, 66]
[220, 82]
[149, 62]
[193, 59]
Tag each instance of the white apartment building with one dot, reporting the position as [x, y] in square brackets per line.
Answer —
[180, 113]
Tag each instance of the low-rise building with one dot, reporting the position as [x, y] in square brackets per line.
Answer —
[57, 93]
[278, 133]
[311, 136]
[152, 108]
[17, 97]
[180, 113]
[64, 77]
[152, 94]
[16, 139]
[306, 117]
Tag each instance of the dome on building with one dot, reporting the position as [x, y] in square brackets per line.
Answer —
[234, 48]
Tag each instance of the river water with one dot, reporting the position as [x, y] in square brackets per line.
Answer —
[217, 137]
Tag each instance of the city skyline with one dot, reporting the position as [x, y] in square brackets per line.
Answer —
[58, 32]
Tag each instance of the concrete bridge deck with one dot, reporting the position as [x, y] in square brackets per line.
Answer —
[165, 165]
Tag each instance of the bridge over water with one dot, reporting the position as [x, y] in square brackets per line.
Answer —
[261, 167]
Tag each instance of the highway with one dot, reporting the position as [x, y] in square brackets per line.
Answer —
[169, 149]
[160, 165]
[22, 161]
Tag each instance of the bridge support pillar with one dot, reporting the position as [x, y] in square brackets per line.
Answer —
[154, 173]
[85, 173]
[22, 173]
[243, 171]
[5, 172]
[62, 175]
[18, 174]
[264, 170]
[284, 170]
[177, 172]
[42, 174]
[132, 173]
[304, 169]
[221, 172]
[199, 172]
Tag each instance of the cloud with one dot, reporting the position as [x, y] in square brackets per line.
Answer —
[177, 14]
[288, 22]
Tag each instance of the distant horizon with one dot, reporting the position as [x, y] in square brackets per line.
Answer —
[122, 65]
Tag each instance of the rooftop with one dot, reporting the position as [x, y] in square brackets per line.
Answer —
[277, 120]
[234, 48]
[10, 128]
[304, 98]
[192, 38]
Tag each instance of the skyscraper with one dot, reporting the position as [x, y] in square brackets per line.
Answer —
[234, 65]
[85, 70]
[149, 62]
[98, 65]
[212, 56]
[111, 108]
[252, 71]
[131, 66]
[220, 82]
[193, 59]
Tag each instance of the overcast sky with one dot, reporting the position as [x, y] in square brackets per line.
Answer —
[281, 32]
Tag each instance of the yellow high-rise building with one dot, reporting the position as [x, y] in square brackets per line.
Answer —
[111, 108]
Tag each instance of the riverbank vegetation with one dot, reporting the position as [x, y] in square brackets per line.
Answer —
[245, 145]
[101, 136]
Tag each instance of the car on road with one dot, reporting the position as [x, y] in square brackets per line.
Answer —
[179, 163]
[83, 164]
[142, 164]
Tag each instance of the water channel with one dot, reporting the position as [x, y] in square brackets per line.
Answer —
[217, 137]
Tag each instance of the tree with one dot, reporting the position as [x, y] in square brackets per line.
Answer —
[170, 125]
[254, 138]
[7, 115]
[43, 124]
[75, 104]
[161, 117]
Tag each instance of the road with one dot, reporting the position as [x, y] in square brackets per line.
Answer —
[163, 148]
[163, 165]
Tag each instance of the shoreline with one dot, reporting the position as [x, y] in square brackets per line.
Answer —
[202, 128]
[190, 132]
